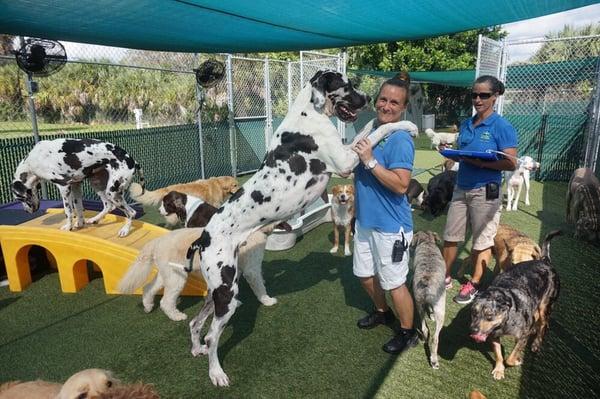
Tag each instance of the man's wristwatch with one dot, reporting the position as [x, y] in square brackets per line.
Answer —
[371, 163]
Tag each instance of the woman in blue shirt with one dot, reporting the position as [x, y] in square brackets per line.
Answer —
[383, 217]
[476, 197]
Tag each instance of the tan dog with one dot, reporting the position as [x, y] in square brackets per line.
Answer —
[90, 383]
[214, 191]
[510, 247]
[342, 212]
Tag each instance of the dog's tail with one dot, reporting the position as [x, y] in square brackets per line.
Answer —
[140, 173]
[146, 197]
[138, 272]
[546, 244]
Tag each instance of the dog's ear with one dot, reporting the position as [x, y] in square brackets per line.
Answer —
[318, 82]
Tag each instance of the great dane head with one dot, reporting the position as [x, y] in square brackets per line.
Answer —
[333, 93]
[25, 190]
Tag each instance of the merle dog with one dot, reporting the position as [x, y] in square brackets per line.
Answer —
[66, 163]
[304, 150]
[517, 303]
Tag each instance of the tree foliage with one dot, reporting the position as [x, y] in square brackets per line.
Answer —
[553, 51]
[442, 53]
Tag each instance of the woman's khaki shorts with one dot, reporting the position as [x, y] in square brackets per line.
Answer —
[483, 216]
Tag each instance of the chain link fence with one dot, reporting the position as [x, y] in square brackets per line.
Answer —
[148, 103]
[551, 99]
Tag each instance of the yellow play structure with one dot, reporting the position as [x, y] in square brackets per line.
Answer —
[72, 250]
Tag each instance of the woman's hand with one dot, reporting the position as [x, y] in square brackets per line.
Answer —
[474, 161]
[364, 150]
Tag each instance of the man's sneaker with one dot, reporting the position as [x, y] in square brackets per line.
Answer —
[376, 318]
[467, 293]
[448, 282]
[404, 340]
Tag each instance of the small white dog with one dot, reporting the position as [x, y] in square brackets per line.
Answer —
[168, 253]
[440, 138]
[515, 180]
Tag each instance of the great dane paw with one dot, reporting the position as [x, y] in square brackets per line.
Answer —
[347, 252]
[333, 250]
[199, 350]
[124, 231]
[267, 300]
[66, 227]
[218, 377]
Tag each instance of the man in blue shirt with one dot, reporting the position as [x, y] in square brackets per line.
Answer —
[384, 219]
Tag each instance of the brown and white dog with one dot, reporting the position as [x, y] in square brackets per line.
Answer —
[583, 204]
[189, 210]
[342, 212]
[213, 191]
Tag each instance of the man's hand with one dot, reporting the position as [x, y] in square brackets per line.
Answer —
[364, 150]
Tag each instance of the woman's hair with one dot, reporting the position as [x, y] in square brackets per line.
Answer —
[496, 85]
[401, 80]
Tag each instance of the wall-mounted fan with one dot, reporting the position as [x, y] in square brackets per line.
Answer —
[40, 57]
[209, 73]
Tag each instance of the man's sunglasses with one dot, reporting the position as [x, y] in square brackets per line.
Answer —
[483, 96]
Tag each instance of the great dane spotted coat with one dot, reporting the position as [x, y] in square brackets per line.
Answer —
[304, 151]
[66, 163]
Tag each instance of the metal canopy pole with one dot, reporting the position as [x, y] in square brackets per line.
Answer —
[231, 118]
[31, 89]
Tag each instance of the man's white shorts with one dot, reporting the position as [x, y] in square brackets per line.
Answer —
[373, 256]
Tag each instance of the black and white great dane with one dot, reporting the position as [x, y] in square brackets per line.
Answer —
[304, 151]
[66, 163]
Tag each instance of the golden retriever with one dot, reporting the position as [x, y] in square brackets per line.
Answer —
[90, 382]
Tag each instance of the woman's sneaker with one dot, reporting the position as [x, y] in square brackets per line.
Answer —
[467, 293]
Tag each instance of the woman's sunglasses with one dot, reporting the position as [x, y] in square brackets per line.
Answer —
[483, 96]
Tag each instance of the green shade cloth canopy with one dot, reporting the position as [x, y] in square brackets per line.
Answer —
[518, 76]
[259, 25]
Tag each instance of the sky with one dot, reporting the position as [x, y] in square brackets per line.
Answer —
[522, 30]
[538, 27]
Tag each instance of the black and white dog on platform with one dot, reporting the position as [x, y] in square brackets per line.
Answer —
[66, 163]
[304, 151]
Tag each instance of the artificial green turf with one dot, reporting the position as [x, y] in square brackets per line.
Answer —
[308, 344]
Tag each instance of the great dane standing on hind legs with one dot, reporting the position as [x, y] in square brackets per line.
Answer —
[305, 150]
